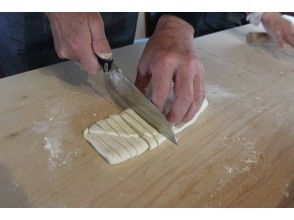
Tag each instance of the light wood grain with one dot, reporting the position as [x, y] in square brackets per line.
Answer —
[240, 152]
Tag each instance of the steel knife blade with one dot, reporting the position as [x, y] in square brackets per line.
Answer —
[126, 95]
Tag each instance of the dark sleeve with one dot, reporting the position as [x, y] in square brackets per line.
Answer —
[193, 18]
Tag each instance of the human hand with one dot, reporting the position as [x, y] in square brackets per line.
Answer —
[279, 28]
[170, 56]
[78, 37]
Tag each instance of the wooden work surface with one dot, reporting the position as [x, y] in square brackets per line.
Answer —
[240, 153]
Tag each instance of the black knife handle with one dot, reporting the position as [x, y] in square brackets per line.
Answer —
[105, 63]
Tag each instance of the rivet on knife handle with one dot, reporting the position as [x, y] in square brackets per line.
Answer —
[105, 63]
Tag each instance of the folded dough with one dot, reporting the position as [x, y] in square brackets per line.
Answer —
[126, 135]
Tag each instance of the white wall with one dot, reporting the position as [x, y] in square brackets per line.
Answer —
[141, 28]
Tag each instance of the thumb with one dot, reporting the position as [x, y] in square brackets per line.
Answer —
[279, 39]
[99, 40]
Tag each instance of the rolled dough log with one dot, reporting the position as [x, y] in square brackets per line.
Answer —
[126, 135]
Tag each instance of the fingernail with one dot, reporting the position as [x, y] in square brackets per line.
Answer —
[105, 56]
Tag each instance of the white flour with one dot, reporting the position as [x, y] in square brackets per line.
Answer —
[52, 146]
[229, 170]
[216, 92]
[54, 128]
[249, 156]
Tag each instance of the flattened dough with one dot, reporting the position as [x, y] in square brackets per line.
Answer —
[123, 136]
[157, 136]
[145, 134]
[202, 108]
[107, 152]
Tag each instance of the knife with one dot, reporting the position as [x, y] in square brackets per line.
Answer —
[126, 95]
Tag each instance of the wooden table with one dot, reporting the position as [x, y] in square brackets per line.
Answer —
[240, 153]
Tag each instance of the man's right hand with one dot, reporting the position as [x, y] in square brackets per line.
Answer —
[79, 37]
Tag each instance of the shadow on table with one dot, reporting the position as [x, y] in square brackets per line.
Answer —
[11, 194]
[288, 198]
[285, 54]
[273, 50]
[68, 72]
[73, 74]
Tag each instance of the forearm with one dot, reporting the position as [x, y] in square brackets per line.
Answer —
[173, 25]
[191, 18]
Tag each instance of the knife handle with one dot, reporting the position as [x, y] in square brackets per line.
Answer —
[105, 63]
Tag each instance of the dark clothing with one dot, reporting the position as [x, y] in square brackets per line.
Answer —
[217, 21]
[193, 18]
[204, 22]
[26, 41]
[120, 27]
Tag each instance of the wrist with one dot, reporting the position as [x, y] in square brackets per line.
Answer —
[267, 16]
[173, 24]
[50, 14]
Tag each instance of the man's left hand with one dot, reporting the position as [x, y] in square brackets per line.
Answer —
[279, 28]
[170, 56]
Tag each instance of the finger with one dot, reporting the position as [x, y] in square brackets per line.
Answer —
[143, 74]
[279, 39]
[86, 57]
[199, 94]
[142, 79]
[289, 39]
[183, 94]
[57, 44]
[161, 78]
[100, 43]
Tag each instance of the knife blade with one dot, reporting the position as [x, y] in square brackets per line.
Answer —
[126, 95]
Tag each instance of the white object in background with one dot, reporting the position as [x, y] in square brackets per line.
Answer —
[254, 18]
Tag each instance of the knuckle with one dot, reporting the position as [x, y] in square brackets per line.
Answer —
[62, 53]
[187, 98]
[74, 44]
[191, 60]
[159, 96]
[167, 57]
[141, 67]
[187, 78]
